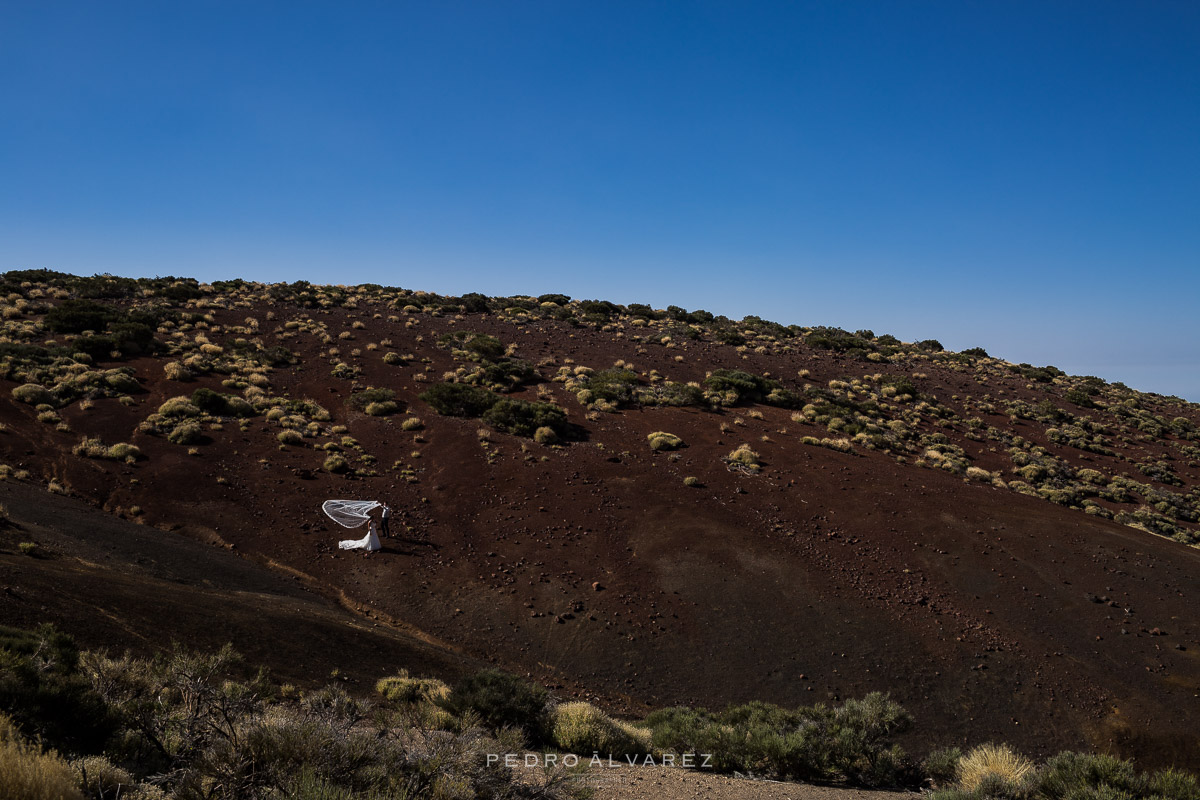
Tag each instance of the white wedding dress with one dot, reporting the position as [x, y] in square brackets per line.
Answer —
[370, 542]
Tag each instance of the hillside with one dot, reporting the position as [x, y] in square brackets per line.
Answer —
[1005, 548]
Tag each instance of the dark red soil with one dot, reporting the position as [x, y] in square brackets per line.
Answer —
[990, 615]
[120, 586]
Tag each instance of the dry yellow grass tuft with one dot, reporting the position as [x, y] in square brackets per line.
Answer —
[404, 689]
[30, 773]
[582, 728]
[661, 440]
[992, 759]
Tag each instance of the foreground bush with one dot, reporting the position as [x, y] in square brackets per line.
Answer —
[1069, 775]
[44, 693]
[29, 773]
[853, 743]
[403, 689]
[583, 728]
[502, 701]
[994, 765]
[995, 772]
[208, 732]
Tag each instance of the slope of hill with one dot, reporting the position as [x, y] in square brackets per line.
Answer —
[122, 586]
[1003, 547]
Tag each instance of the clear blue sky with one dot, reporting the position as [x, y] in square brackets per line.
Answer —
[1019, 176]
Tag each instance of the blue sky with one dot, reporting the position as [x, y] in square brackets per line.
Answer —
[1019, 176]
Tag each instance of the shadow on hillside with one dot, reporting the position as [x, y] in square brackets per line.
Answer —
[403, 546]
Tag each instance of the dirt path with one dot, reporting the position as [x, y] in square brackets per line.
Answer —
[666, 783]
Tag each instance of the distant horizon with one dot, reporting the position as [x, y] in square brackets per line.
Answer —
[1017, 176]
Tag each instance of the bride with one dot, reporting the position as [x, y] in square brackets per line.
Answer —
[370, 542]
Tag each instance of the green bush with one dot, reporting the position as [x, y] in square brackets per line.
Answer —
[746, 387]
[238, 407]
[33, 394]
[614, 385]
[478, 346]
[210, 402]
[851, 743]
[502, 701]
[1080, 397]
[842, 341]
[360, 400]
[102, 779]
[179, 407]
[77, 316]
[508, 374]
[459, 399]
[122, 381]
[522, 418]
[44, 692]
[186, 433]
[598, 310]
[669, 393]
[99, 348]
[942, 765]
[1170, 784]
[1069, 775]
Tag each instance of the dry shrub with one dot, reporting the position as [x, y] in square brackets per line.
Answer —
[33, 394]
[993, 760]
[744, 458]
[29, 773]
[979, 474]
[101, 778]
[186, 433]
[181, 406]
[661, 440]
[404, 689]
[290, 437]
[582, 728]
[381, 408]
[336, 464]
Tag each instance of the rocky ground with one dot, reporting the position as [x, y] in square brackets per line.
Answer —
[591, 566]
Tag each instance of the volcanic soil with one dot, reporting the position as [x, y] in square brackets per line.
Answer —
[594, 569]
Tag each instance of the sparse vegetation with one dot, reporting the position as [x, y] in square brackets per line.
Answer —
[854, 742]
[744, 459]
[661, 440]
[186, 725]
[1073, 442]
